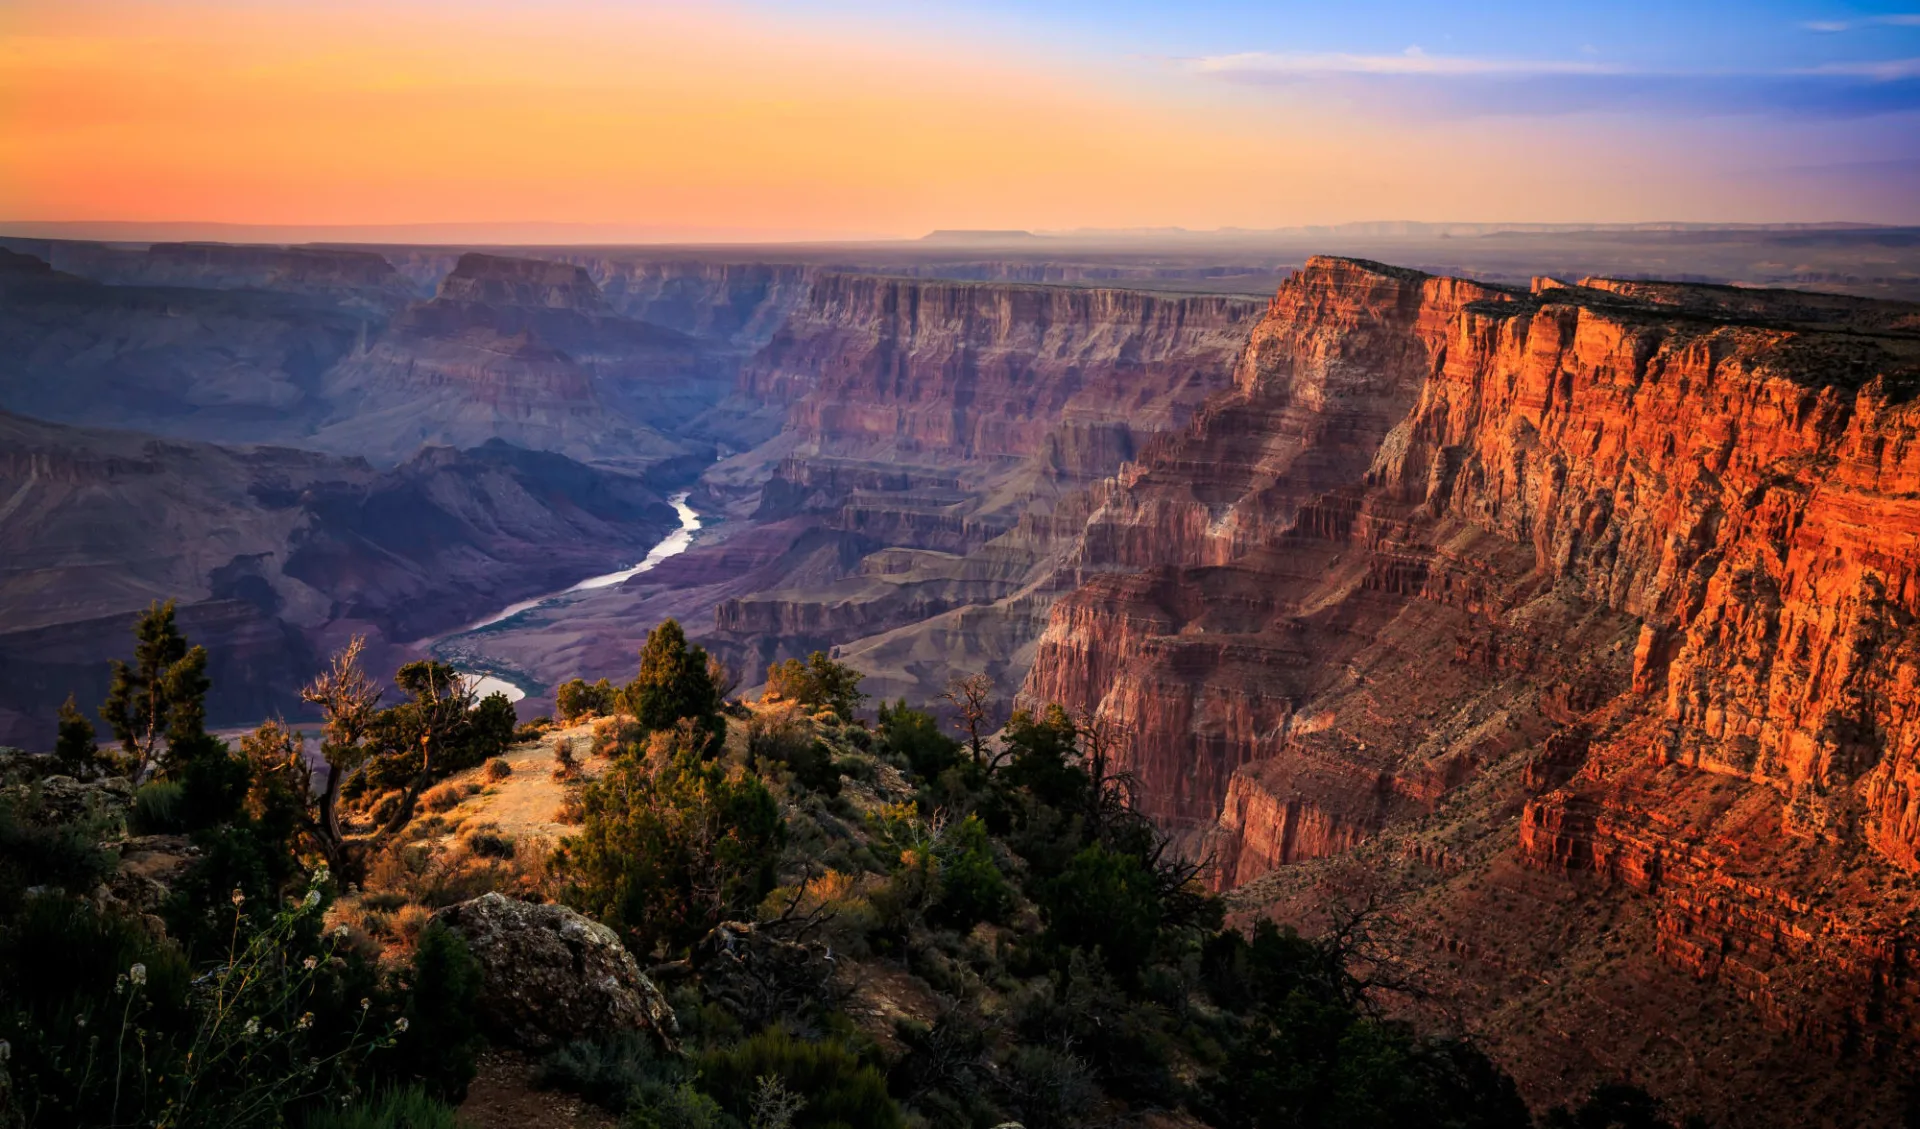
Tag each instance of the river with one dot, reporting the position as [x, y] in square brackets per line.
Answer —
[672, 544]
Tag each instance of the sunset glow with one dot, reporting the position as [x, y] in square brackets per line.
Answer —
[729, 121]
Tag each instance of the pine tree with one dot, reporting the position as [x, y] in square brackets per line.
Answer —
[162, 695]
[674, 683]
[75, 748]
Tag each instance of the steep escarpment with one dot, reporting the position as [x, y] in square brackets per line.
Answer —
[523, 350]
[932, 415]
[245, 364]
[1615, 581]
[943, 373]
[351, 277]
[277, 553]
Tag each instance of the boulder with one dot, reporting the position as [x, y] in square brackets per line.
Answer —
[65, 799]
[551, 976]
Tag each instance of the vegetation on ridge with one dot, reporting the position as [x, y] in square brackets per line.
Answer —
[857, 925]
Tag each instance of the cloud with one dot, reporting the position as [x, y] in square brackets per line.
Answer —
[1833, 26]
[1417, 84]
[1880, 70]
[1413, 61]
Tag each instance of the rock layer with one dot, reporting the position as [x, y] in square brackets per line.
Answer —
[1629, 570]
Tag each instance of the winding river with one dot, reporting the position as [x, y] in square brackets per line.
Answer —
[672, 544]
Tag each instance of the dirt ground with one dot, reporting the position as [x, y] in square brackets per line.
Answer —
[503, 1096]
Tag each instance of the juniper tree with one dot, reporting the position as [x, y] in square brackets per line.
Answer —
[161, 696]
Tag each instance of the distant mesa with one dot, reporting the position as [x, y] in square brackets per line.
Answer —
[969, 235]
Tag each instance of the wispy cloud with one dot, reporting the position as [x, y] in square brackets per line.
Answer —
[1832, 26]
[1412, 61]
[1423, 85]
[1882, 70]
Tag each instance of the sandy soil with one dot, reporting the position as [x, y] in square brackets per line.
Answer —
[524, 804]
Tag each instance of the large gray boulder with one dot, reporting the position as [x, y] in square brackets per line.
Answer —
[551, 976]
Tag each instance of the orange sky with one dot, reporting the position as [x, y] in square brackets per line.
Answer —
[711, 120]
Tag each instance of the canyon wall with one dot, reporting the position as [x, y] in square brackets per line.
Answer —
[525, 350]
[1613, 580]
[276, 554]
[935, 415]
[943, 373]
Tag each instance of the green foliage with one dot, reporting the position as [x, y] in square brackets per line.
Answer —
[116, 1028]
[915, 736]
[972, 888]
[438, 730]
[35, 852]
[1310, 1056]
[1106, 901]
[74, 747]
[665, 856]
[159, 700]
[157, 809]
[441, 1039]
[404, 1107]
[674, 683]
[818, 684]
[576, 699]
[839, 1091]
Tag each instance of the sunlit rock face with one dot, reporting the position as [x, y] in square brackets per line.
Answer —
[1625, 575]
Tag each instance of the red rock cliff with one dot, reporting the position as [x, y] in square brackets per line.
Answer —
[1638, 564]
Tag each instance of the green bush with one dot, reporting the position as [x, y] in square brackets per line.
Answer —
[839, 1090]
[157, 809]
[818, 684]
[409, 1107]
[972, 889]
[441, 1039]
[666, 855]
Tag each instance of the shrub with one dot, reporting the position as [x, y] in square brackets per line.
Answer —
[499, 769]
[489, 845]
[972, 889]
[818, 684]
[915, 736]
[409, 1107]
[837, 1088]
[441, 1039]
[564, 766]
[576, 699]
[442, 797]
[157, 809]
[665, 854]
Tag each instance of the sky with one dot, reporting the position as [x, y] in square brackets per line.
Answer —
[736, 119]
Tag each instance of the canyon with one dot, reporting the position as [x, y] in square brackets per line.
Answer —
[1464, 597]
[1563, 622]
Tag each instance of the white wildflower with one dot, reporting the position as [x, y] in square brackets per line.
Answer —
[306, 1021]
[400, 1025]
[238, 897]
[340, 932]
[310, 964]
[252, 1028]
[137, 974]
[365, 1004]
[313, 898]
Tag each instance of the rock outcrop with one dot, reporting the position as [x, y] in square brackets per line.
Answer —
[1614, 579]
[550, 976]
